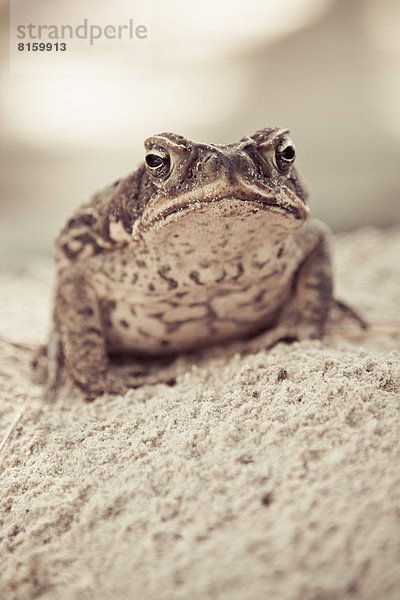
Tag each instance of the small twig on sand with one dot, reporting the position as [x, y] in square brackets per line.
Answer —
[11, 428]
[364, 333]
[16, 344]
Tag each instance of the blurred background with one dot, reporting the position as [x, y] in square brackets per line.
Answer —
[327, 69]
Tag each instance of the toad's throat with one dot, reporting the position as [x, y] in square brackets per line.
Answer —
[297, 212]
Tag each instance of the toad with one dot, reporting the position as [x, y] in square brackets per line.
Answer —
[201, 244]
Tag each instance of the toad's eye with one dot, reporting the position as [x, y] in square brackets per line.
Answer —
[285, 154]
[158, 161]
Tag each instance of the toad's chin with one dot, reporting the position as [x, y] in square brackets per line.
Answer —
[290, 211]
[223, 229]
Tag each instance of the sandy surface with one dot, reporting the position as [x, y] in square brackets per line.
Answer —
[271, 476]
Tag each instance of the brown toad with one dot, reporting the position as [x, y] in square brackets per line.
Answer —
[202, 244]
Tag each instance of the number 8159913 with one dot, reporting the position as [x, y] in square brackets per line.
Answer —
[42, 46]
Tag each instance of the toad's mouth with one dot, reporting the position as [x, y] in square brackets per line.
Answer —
[294, 208]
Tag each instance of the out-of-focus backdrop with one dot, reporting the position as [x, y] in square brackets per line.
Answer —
[327, 69]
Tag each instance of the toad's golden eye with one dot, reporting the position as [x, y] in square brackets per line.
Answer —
[285, 154]
[158, 161]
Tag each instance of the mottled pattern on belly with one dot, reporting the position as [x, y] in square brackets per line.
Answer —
[187, 319]
[196, 282]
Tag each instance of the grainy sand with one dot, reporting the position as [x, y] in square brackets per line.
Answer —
[271, 476]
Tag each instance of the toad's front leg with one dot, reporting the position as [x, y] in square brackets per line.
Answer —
[305, 314]
[78, 322]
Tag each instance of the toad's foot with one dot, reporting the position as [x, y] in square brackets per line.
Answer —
[106, 384]
[342, 311]
[136, 374]
[284, 332]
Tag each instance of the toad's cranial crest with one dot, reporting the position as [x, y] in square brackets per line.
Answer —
[202, 244]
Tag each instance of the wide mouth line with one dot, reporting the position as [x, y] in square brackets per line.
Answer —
[176, 208]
